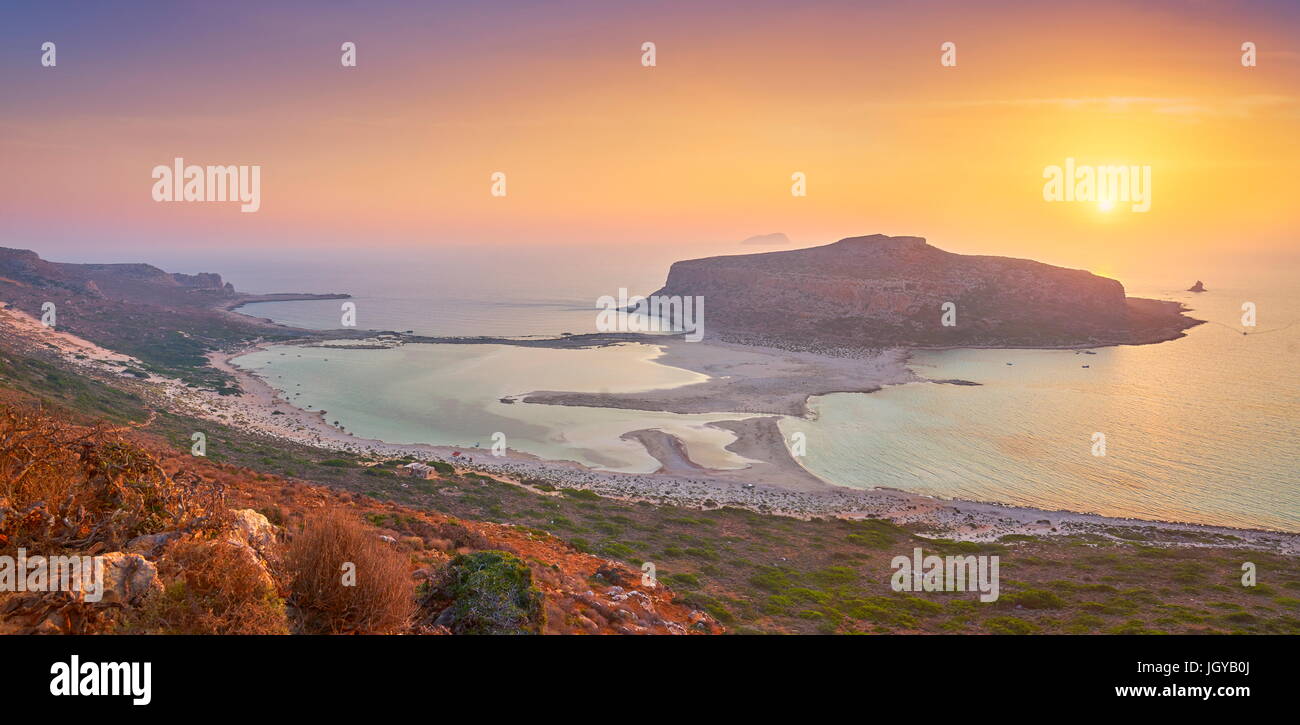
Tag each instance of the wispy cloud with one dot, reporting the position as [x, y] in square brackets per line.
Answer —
[1234, 107]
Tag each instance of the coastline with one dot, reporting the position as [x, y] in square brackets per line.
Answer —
[776, 483]
[749, 380]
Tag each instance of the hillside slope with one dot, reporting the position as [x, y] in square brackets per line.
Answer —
[185, 537]
[170, 321]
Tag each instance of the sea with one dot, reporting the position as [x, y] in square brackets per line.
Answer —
[1202, 429]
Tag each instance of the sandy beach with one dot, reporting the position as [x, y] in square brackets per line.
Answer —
[768, 382]
[73, 349]
[747, 379]
[774, 483]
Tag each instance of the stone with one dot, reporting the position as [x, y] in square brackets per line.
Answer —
[127, 578]
[253, 529]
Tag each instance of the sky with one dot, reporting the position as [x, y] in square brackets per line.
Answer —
[697, 151]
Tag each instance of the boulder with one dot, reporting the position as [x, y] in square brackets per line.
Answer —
[253, 529]
[127, 578]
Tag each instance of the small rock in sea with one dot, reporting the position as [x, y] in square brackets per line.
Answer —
[1198, 287]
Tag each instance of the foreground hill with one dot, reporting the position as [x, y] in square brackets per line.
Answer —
[197, 547]
[879, 291]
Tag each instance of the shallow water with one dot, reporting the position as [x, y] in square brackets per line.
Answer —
[450, 395]
[1200, 429]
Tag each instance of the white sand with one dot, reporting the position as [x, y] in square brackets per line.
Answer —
[766, 381]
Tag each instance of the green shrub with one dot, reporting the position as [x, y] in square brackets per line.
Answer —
[337, 463]
[442, 467]
[1033, 599]
[580, 494]
[1009, 625]
[492, 592]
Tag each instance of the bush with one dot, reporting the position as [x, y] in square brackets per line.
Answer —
[215, 587]
[580, 494]
[1033, 599]
[374, 595]
[490, 592]
[683, 581]
[700, 600]
[78, 487]
[442, 467]
[1009, 625]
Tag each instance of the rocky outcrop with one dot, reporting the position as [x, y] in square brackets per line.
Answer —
[128, 578]
[1198, 287]
[142, 283]
[878, 291]
[252, 528]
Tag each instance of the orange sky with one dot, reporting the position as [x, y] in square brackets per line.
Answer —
[596, 148]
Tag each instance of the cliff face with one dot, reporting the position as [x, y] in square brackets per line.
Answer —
[880, 291]
[133, 282]
[168, 320]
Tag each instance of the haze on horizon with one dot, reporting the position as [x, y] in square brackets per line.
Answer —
[396, 154]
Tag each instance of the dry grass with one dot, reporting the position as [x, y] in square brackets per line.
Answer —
[70, 487]
[214, 587]
[378, 598]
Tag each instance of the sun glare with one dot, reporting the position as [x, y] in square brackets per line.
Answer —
[1105, 205]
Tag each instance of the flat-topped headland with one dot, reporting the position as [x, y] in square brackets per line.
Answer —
[879, 291]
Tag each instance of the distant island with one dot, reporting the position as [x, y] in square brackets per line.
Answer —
[881, 291]
[776, 239]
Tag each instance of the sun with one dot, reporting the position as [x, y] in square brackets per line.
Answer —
[1105, 205]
